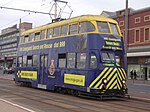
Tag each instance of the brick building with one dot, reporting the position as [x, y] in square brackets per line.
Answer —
[138, 41]
[9, 40]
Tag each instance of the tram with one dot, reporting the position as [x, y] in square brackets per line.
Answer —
[80, 55]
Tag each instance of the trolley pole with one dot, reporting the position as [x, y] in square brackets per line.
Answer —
[126, 35]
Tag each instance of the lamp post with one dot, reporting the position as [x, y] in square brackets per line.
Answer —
[126, 33]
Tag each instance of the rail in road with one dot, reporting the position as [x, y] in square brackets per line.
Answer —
[45, 101]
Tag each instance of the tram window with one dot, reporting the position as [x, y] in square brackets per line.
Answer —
[114, 29]
[37, 36]
[31, 37]
[62, 60]
[64, 30]
[81, 60]
[106, 56]
[29, 60]
[21, 40]
[93, 61]
[42, 34]
[45, 59]
[74, 29]
[71, 58]
[103, 27]
[26, 38]
[86, 27]
[56, 31]
[20, 61]
[49, 33]
[35, 60]
[24, 60]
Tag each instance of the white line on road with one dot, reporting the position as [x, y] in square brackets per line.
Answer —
[16, 105]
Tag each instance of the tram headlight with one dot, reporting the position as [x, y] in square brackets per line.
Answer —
[104, 81]
[123, 81]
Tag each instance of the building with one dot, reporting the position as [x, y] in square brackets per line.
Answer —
[138, 41]
[9, 39]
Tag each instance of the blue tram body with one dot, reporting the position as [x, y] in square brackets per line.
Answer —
[87, 63]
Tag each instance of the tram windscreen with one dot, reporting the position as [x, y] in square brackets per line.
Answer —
[108, 57]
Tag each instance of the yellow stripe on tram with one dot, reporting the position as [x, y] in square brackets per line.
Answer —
[121, 73]
[112, 80]
[98, 77]
[103, 77]
[124, 73]
[119, 82]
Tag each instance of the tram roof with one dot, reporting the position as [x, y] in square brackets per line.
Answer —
[71, 21]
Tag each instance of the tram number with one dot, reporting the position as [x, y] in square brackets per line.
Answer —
[59, 44]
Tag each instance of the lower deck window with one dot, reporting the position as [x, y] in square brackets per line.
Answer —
[81, 60]
[62, 60]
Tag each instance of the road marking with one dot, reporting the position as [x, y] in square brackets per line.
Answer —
[16, 105]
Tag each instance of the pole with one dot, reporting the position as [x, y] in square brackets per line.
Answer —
[126, 34]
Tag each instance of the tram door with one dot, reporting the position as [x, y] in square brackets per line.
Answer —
[42, 73]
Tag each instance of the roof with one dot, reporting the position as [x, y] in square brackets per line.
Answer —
[71, 21]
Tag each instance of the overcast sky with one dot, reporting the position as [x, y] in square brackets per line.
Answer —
[79, 7]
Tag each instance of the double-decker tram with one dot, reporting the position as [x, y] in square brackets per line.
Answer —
[83, 55]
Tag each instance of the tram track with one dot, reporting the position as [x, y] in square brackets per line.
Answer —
[76, 104]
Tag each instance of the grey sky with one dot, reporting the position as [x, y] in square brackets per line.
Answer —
[79, 7]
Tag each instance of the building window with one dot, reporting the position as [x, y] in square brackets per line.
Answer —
[146, 18]
[147, 34]
[121, 23]
[137, 35]
[137, 20]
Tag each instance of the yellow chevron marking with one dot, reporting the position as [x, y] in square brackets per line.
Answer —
[101, 86]
[118, 86]
[112, 80]
[114, 83]
[119, 82]
[121, 73]
[111, 74]
[103, 77]
[98, 77]
[124, 73]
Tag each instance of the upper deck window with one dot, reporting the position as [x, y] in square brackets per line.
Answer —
[42, 34]
[31, 37]
[49, 33]
[114, 29]
[26, 38]
[74, 29]
[56, 31]
[64, 30]
[37, 36]
[103, 27]
[21, 40]
[86, 27]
